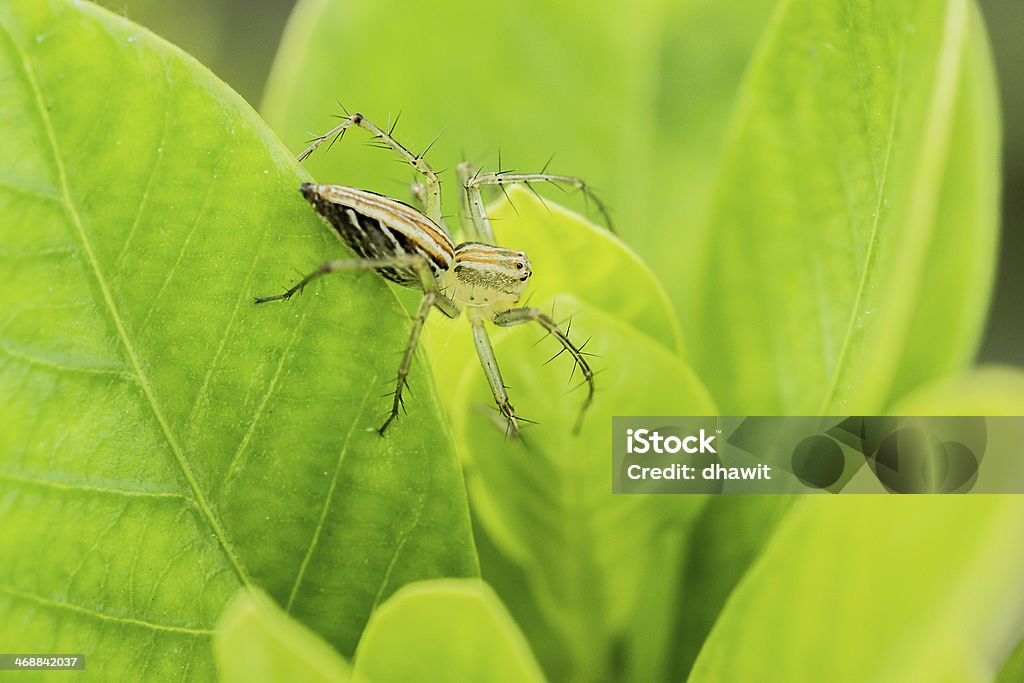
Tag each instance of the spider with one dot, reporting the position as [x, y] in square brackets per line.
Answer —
[413, 248]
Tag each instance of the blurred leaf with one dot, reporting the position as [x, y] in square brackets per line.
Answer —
[866, 588]
[849, 248]
[510, 582]
[728, 537]
[165, 441]
[1012, 670]
[445, 630]
[545, 500]
[983, 391]
[570, 254]
[257, 642]
[635, 100]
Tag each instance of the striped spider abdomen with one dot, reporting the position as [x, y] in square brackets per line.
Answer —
[376, 227]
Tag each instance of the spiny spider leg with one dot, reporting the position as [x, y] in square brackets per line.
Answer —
[490, 365]
[432, 298]
[476, 225]
[432, 192]
[517, 316]
[502, 178]
[429, 300]
[427, 279]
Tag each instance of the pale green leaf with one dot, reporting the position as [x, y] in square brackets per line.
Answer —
[1012, 670]
[727, 538]
[546, 498]
[256, 642]
[570, 254]
[445, 630]
[988, 390]
[164, 440]
[867, 588]
[848, 253]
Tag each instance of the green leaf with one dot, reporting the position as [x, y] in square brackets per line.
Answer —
[450, 630]
[633, 99]
[1012, 670]
[849, 249]
[256, 642]
[984, 391]
[545, 500]
[729, 536]
[166, 441]
[862, 588]
[570, 254]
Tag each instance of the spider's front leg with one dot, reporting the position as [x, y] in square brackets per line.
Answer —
[490, 365]
[474, 216]
[431, 193]
[517, 316]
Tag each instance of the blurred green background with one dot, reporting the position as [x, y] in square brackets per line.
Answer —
[237, 39]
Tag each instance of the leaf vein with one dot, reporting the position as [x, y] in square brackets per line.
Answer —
[242, 296]
[102, 616]
[236, 461]
[65, 366]
[329, 497]
[88, 488]
[869, 257]
[402, 540]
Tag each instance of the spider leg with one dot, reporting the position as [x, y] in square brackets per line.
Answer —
[474, 182]
[432, 189]
[429, 300]
[476, 226]
[490, 365]
[432, 298]
[517, 316]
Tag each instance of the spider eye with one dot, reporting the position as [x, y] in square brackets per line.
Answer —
[519, 266]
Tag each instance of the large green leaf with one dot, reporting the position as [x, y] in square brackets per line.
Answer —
[445, 630]
[866, 588]
[849, 249]
[164, 440]
[635, 99]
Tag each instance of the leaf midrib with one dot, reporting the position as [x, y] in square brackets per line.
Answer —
[932, 155]
[869, 256]
[144, 384]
